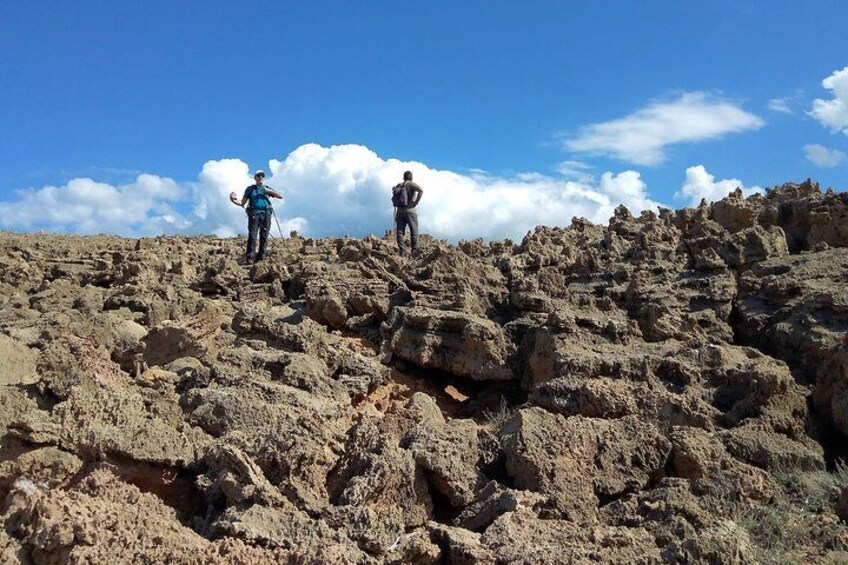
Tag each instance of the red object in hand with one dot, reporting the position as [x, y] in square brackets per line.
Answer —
[234, 199]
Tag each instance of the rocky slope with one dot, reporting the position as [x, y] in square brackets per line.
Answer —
[663, 389]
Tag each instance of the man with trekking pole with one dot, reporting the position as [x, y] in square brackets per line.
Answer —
[259, 212]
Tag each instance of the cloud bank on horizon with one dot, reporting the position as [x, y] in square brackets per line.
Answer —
[335, 191]
[329, 191]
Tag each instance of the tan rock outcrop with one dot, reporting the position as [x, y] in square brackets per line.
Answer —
[668, 388]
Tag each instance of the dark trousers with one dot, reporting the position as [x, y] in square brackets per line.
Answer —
[405, 218]
[257, 222]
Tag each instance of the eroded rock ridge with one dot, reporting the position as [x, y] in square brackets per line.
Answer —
[618, 394]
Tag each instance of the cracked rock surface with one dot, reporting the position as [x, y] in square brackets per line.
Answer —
[613, 394]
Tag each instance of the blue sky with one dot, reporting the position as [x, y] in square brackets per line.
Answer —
[502, 93]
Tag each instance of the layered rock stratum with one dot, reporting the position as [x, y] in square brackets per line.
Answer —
[670, 388]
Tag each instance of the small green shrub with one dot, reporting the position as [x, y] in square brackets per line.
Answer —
[771, 528]
[814, 491]
[495, 419]
[836, 558]
[789, 478]
[840, 474]
[784, 531]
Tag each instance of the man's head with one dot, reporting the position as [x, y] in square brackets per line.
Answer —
[407, 175]
[259, 177]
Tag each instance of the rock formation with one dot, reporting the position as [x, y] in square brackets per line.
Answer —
[623, 394]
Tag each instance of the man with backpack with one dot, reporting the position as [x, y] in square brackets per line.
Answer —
[258, 214]
[405, 197]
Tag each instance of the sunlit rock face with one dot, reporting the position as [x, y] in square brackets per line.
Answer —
[642, 392]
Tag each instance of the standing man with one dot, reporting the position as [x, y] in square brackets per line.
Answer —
[258, 214]
[405, 197]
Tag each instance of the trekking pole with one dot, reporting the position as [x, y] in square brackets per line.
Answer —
[268, 232]
[274, 213]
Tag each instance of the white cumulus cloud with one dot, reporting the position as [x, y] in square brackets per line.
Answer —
[833, 113]
[642, 137]
[83, 205]
[328, 191]
[822, 156]
[213, 212]
[701, 184]
[344, 189]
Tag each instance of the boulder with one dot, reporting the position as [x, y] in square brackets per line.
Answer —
[454, 342]
[448, 451]
[596, 460]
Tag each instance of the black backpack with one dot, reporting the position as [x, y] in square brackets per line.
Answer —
[400, 196]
